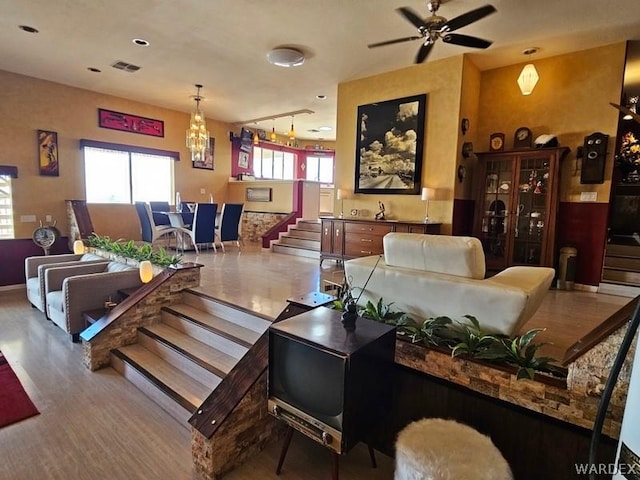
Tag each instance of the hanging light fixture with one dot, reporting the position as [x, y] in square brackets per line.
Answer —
[529, 76]
[256, 137]
[197, 134]
[273, 136]
[292, 132]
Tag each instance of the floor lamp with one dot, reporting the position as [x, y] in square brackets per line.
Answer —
[427, 194]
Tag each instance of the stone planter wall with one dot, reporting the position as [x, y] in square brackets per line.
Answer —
[123, 329]
[576, 402]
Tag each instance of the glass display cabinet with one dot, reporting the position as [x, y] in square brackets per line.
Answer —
[516, 206]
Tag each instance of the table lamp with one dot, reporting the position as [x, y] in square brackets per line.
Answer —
[78, 247]
[146, 271]
[427, 194]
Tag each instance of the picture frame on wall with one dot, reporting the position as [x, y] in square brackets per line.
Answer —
[126, 122]
[207, 162]
[389, 146]
[48, 161]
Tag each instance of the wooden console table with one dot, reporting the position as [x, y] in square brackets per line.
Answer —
[344, 238]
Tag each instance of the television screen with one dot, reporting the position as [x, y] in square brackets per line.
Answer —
[307, 378]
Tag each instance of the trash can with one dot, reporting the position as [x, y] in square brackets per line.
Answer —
[567, 268]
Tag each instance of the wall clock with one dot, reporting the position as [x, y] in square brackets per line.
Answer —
[496, 142]
[45, 237]
[522, 138]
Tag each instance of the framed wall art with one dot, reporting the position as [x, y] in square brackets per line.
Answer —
[389, 145]
[130, 123]
[258, 194]
[207, 162]
[48, 153]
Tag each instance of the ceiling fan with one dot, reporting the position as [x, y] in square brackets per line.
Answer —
[627, 111]
[434, 27]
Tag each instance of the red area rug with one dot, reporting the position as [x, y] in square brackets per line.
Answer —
[15, 404]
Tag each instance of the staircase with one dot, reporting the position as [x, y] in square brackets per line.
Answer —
[301, 239]
[179, 361]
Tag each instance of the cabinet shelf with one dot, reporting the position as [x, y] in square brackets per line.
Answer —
[528, 229]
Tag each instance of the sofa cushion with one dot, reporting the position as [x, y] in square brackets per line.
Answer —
[459, 256]
[55, 300]
[118, 267]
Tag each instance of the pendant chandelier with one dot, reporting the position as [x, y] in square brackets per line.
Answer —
[197, 134]
[292, 132]
[273, 137]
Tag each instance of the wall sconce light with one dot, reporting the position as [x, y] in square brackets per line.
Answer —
[529, 76]
[78, 247]
[427, 194]
[146, 271]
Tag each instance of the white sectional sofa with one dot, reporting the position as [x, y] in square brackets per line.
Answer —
[438, 275]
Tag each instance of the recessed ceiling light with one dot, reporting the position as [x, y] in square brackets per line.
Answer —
[530, 50]
[28, 29]
[313, 130]
[324, 128]
[285, 57]
[321, 97]
[94, 69]
[140, 42]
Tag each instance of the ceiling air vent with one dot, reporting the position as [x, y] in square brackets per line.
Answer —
[127, 67]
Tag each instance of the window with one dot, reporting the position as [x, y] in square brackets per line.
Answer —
[6, 210]
[320, 169]
[122, 176]
[269, 163]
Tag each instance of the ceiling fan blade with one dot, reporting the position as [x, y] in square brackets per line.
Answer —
[467, 18]
[423, 52]
[391, 42]
[626, 111]
[412, 16]
[466, 40]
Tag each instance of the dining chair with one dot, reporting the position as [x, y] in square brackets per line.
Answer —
[202, 229]
[151, 232]
[229, 228]
[158, 209]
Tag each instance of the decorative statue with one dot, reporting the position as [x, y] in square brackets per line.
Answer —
[380, 214]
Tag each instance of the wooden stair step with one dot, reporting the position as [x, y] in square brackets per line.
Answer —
[309, 225]
[213, 360]
[299, 251]
[232, 313]
[177, 385]
[225, 328]
[299, 242]
[297, 233]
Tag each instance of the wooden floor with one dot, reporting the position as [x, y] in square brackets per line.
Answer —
[96, 425]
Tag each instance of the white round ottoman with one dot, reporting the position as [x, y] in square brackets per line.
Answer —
[437, 449]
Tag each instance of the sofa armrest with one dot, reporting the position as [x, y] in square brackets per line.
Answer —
[53, 277]
[31, 264]
[89, 292]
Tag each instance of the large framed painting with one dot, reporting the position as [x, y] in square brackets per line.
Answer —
[389, 146]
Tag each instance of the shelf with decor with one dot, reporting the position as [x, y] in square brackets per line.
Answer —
[516, 206]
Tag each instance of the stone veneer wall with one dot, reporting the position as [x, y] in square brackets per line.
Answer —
[123, 331]
[244, 433]
[255, 224]
[576, 403]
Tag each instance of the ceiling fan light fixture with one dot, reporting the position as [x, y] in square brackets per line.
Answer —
[285, 57]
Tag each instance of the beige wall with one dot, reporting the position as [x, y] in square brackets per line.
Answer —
[570, 100]
[29, 104]
[441, 80]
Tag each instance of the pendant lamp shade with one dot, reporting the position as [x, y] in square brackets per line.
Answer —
[528, 79]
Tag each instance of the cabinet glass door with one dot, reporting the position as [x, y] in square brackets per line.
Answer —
[531, 212]
[497, 195]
